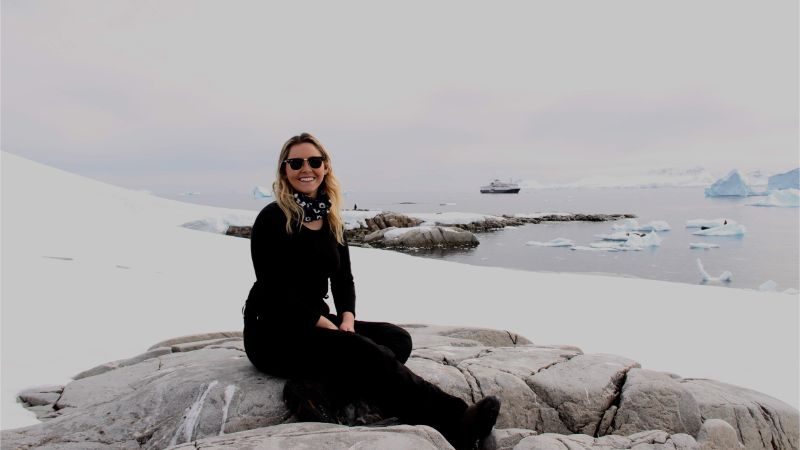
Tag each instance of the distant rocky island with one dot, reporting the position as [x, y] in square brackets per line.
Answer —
[394, 230]
[202, 392]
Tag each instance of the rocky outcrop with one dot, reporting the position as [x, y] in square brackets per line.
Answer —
[202, 391]
[421, 237]
[441, 233]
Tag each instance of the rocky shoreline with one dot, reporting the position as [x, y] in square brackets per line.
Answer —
[201, 391]
[394, 230]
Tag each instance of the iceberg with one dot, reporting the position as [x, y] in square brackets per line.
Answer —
[731, 229]
[618, 236]
[786, 180]
[261, 192]
[557, 242]
[708, 223]
[731, 185]
[768, 286]
[724, 277]
[785, 198]
[702, 245]
[633, 225]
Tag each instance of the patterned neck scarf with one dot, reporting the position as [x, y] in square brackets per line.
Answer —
[313, 208]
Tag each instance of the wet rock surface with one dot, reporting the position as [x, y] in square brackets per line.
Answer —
[202, 392]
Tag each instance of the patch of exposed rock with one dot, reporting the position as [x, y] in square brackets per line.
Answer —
[202, 391]
[394, 230]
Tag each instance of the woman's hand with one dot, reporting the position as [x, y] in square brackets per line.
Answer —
[348, 322]
[323, 322]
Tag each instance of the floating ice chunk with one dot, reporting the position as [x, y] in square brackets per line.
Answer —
[724, 277]
[708, 223]
[633, 225]
[731, 185]
[786, 198]
[626, 225]
[768, 286]
[702, 245]
[261, 192]
[656, 225]
[557, 242]
[618, 236]
[786, 180]
[649, 240]
[731, 229]
[791, 291]
[594, 249]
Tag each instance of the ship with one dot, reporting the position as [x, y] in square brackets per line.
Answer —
[500, 187]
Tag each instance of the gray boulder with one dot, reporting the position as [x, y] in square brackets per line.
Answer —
[421, 237]
[204, 389]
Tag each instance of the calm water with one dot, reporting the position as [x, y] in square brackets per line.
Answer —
[768, 251]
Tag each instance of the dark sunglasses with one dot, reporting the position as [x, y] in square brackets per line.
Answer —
[315, 162]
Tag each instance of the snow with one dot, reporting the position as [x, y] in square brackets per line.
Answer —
[785, 198]
[732, 184]
[786, 180]
[262, 192]
[557, 242]
[122, 274]
[358, 219]
[702, 245]
[731, 229]
[708, 223]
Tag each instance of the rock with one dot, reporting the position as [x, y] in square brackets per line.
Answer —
[324, 437]
[653, 400]
[716, 434]
[583, 388]
[759, 421]
[505, 438]
[421, 237]
[209, 393]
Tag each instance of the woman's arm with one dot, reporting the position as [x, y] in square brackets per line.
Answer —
[343, 290]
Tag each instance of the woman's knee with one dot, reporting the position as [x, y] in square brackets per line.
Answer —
[399, 341]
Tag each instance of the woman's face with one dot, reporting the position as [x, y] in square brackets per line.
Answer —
[306, 180]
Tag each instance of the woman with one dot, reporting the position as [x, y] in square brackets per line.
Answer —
[297, 245]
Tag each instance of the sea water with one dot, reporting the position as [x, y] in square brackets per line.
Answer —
[768, 251]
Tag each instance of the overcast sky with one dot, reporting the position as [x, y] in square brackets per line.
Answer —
[200, 95]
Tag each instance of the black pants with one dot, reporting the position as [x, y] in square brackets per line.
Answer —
[369, 362]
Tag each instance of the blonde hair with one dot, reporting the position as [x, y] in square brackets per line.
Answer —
[284, 193]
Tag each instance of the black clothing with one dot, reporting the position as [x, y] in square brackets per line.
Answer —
[281, 337]
[292, 272]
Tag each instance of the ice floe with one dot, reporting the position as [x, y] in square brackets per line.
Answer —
[731, 185]
[724, 277]
[633, 225]
[618, 236]
[731, 229]
[557, 242]
[708, 223]
[785, 198]
[702, 245]
[768, 286]
[786, 180]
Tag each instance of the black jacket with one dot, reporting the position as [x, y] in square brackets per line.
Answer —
[292, 273]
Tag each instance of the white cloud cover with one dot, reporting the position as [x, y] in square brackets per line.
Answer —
[93, 273]
[195, 95]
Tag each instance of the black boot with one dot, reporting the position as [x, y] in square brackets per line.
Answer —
[476, 423]
[308, 401]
